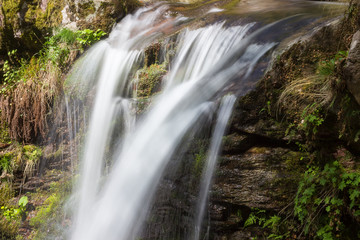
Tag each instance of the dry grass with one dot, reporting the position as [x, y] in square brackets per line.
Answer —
[313, 88]
[26, 108]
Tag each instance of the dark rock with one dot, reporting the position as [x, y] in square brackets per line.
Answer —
[261, 178]
[252, 179]
[352, 68]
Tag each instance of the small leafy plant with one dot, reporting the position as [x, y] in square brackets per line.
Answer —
[327, 68]
[88, 37]
[11, 213]
[311, 120]
[324, 196]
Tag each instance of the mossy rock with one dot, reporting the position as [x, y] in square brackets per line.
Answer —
[149, 80]
[87, 8]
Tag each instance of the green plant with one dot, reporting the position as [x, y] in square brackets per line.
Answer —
[257, 216]
[88, 37]
[12, 70]
[31, 156]
[11, 213]
[311, 120]
[5, 162]
[267, 108]
[272, 225]
[323, 197]
[327, 68]
[58, 47]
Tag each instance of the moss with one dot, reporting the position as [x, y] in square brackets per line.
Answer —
[149, 80]
[10, 10]
[8, 229]
[4, 134]
[85, 9]
[50, 217]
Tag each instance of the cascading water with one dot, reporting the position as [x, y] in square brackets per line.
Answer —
[222, 120]
[114, 204]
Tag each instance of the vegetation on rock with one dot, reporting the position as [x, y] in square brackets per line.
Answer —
[303, 104]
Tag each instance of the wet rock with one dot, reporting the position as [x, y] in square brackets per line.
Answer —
[252, 179]
[352, 67]
[260, 178]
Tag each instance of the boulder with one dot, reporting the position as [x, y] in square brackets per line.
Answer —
[352, 68]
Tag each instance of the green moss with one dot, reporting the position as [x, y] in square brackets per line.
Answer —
[10, 10]
[5, 162]
[149, 79]
[50, 218]
[53, 12]
[85, 9]
[4, 134]
[32, 152]
[8, 229]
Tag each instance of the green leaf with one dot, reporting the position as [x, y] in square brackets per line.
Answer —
[322, 181]
[328, 208]
[342, 185]
[354, 195]
[23, 201]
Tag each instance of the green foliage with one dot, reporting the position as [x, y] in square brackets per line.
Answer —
[88, 37]
[4, 134]
[11, 218]
[328, 67]
[32, 152]
[31, 157]
[13, 70]
[12, 213]
[5, 162]
[272, 225]
[323, 196]
[257, 216]
[58, 47]
[267, 108]
[311, 120]
[56, 51]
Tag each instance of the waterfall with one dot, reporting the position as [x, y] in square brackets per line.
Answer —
[113, 202]
[222, 120]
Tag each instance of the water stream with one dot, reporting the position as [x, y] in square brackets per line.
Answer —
[224, 114]
[117, 184]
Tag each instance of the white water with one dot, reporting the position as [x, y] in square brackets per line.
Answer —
[221, 122]
[113, 206]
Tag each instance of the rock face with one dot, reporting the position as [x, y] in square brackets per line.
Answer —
[353, 67]
[264, 161]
